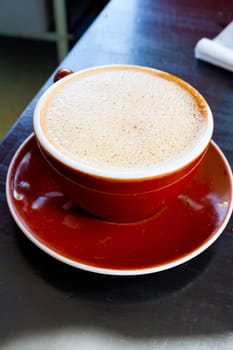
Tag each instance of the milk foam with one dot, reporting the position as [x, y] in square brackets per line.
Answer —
[123, 118]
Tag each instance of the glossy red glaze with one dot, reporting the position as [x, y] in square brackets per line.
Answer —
[124, 200]
[61, 73]
[182, 229]
[110, 196]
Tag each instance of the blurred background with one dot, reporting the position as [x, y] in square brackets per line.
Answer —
[35, 35]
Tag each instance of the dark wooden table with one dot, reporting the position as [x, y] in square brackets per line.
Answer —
[48, 305]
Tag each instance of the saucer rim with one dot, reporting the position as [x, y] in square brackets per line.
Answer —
[119, 272]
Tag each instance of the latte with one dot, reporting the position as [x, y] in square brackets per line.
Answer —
[123, 117]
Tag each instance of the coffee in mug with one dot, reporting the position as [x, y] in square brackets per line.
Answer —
[122, 139]
[124, 119]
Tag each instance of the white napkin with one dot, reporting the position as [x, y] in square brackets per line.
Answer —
[218, 51]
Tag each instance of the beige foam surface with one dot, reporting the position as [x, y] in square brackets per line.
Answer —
[123, 119]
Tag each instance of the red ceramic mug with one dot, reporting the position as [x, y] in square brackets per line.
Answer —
[138, 113]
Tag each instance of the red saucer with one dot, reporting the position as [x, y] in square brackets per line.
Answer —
[179, 232]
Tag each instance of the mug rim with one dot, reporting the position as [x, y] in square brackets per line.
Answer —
[134, 173]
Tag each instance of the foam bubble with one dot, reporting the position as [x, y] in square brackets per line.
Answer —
[123, 119]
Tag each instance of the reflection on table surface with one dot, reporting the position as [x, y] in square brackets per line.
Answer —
[47, 304]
